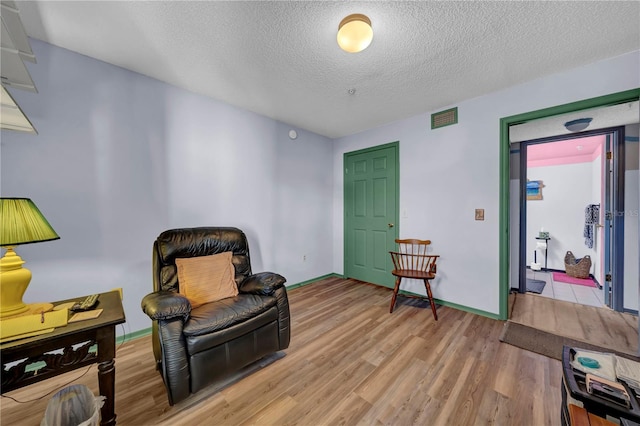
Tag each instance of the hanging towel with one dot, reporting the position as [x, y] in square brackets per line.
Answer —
[591, 218]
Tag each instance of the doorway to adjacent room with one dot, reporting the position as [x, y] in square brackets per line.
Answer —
[572, 235]
[531, 310]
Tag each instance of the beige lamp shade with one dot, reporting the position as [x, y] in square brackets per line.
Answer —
[22, 223]
[355, 33]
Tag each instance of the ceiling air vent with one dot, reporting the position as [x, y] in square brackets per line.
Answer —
[444, 118]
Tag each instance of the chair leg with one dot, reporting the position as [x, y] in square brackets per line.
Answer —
[395, 294]
[433, 305]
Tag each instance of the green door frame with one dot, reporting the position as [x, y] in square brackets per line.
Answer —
[505, 122]
[396, 146]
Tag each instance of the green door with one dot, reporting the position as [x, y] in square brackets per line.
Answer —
[371, 212]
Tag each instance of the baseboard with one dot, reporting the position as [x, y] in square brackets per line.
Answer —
[454, 305]
[438, 301]
[131, 336]
[468, 309]
[313, 280]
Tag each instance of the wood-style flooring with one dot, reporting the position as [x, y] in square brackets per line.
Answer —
[350, 363]
[601, 326]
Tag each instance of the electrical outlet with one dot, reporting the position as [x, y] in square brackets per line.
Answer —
[304, 257]
[479, 214]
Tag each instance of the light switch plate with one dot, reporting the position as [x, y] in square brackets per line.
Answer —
[479, 214]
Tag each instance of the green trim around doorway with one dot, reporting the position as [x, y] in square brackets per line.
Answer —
[395, 145]
[505, 122]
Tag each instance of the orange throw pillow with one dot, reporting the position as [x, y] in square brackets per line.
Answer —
[206, 279]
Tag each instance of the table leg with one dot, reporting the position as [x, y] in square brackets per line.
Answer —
[106, 382]
[107, 375]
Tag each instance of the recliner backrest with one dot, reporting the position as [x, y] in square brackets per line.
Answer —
[192, 242]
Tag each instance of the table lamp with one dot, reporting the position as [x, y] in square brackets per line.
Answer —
[20, 223]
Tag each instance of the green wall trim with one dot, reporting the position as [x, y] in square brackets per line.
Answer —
[505, 122]
[313, 280]
[468, 309]
[455, 306]
[135, 335]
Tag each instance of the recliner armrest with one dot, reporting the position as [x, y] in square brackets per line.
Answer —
[263, 283]
[163, 305]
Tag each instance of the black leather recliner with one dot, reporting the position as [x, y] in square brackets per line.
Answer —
[195, 347]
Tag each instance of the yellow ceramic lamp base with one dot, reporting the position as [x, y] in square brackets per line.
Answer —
[14, 280]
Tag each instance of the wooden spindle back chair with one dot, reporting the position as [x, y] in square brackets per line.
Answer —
[412, 261]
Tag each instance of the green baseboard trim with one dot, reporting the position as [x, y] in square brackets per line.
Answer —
[468, 309]
[135, 335]
[455, 306]
[313, 280]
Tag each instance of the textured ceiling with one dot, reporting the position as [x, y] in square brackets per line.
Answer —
[281, 60]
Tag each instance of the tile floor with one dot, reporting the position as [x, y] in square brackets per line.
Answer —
[591, 296]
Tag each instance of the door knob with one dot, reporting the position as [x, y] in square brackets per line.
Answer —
[390, 225]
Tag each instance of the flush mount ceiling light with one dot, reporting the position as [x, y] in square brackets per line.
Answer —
[355, 33]
[577, 125]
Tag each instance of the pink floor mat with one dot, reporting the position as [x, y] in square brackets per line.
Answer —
[564, 278]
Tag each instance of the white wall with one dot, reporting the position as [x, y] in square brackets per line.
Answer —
[121, 157]
[567, 191]
[448, 172]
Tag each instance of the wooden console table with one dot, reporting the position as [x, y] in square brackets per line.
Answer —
[100, 331]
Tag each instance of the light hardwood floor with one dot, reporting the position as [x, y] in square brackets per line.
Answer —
[601, 326]
[350, 362]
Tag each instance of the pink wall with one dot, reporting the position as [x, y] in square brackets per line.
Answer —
[582, 150]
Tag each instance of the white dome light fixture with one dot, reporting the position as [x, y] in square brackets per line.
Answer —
[578, 125]
[355, 33]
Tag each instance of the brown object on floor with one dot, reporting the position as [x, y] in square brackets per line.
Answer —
[577, 268]
[412, 261]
